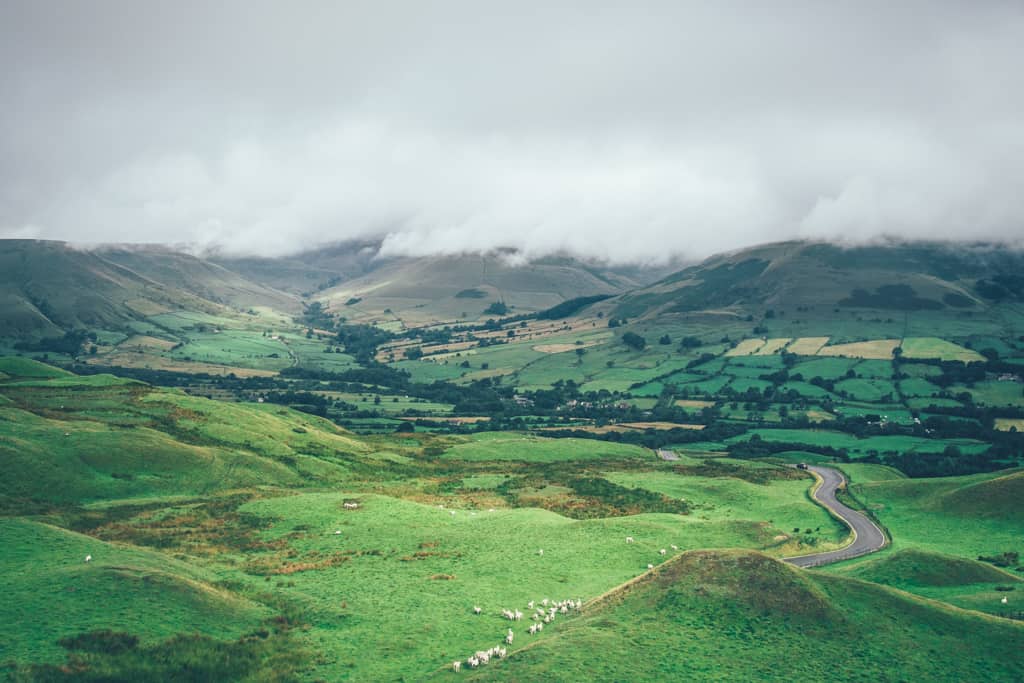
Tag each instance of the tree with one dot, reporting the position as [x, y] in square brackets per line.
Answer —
[634, 341]
[665, 340]
[496, 308]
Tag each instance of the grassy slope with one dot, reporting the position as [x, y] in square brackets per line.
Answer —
[783, 504]
[958, 581]
[528, 448]
[50, 592]
[939, 527]
[740, 616]
[965, 516]
[71, 439]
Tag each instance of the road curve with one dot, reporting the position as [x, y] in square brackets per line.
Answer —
[867, 537]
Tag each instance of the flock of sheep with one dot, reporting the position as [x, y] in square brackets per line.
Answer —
[545, 613]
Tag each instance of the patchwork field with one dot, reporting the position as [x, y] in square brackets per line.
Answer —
[323, 483]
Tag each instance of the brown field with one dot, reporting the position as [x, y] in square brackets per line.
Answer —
[1004, 424]
[606, 429]
[133, 359]
[533, 331]
[878, 349]
[660, 425]
[746, 347]
[623, 427]
[145, 307]
[562, 348]
[146, 342]
[693, 403]
[450, 420]
[807, 346]
[773, 346]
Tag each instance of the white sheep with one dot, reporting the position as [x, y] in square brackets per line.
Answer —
[650, 566]
[661, 552]
[541, 551]
[630, 539]
[88, 558]
[674, 547]
[456, 666]
[1004, 601]
[476, 610]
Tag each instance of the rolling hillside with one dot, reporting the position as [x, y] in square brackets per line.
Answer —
[202, 278]
[47, 288]
[454, 288]
[306, 272]
[741, 616]
[66, 439]
[819, 280]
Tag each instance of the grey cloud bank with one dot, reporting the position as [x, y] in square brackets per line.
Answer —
[626, 132]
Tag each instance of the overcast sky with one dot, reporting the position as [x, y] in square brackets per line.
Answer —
[626, 131]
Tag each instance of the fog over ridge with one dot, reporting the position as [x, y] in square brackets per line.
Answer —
[625, 132]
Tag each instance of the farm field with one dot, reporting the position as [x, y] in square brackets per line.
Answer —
[232, 541]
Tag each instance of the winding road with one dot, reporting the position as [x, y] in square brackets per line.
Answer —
[867, 537]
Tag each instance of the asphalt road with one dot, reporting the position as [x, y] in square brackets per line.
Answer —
[867, 536]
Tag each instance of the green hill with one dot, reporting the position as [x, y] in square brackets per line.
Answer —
[1000, 497]
[67, 440]
[453, 288]
[965, 516]
[47, 288]
[920, 568]
[52, 593]
[827, 282]
[740, 616]
[200, 277]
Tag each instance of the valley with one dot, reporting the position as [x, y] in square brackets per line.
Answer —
[322, 464]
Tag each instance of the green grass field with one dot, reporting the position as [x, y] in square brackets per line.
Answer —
[497, 446]
[224, 517]
[740, 616]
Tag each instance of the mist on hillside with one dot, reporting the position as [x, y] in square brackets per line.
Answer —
[628, 134]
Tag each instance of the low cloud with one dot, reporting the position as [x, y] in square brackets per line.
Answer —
[628, 134]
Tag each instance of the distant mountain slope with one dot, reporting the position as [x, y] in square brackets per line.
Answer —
[309, 271]
[334, 265]
[49, 287]
[791, 275]
[202, 278]
[445, 288]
